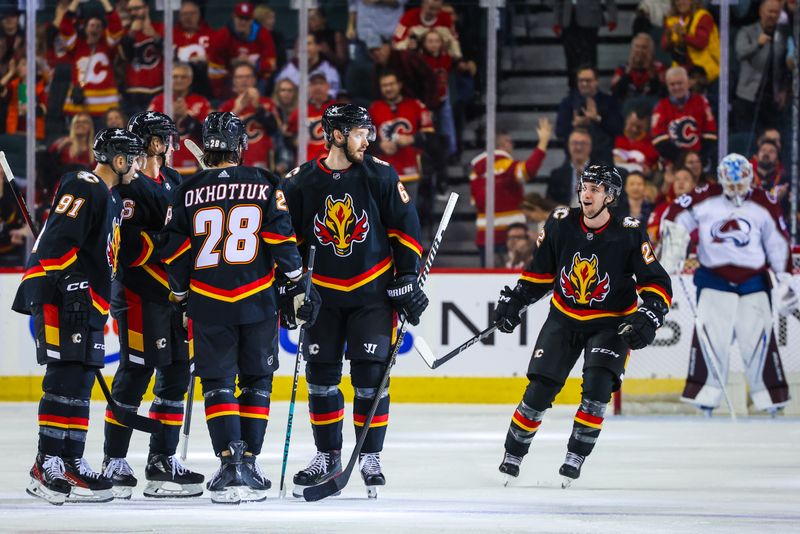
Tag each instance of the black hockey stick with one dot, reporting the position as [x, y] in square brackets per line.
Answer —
[123, 416]
[187, 419]
[336, 483]
[282, 493]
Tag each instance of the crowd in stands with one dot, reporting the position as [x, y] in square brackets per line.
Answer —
[416, 68]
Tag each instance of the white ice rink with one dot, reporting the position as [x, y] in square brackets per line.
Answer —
[648, 474]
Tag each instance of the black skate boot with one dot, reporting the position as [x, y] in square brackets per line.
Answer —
[48, 481]
[87, 485]
[166, 477]
[571, 469]
[254, 478]
[510, 467]
[370, 464]
[226, 483]
[322, 467]
[121, 475]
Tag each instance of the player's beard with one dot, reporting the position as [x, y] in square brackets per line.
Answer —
[353, 156]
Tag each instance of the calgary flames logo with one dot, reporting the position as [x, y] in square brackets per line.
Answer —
[583, 283]
[340, 228]
[112, 248]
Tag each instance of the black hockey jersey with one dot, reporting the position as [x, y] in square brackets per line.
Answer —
[595, 274]
[364, 224]
[228, 228]
[145, 202]
[82, 234]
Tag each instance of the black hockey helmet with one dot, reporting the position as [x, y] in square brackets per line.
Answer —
[147, 124]
[345, 117]
[112, 142]
[606, 175]
[223, 132]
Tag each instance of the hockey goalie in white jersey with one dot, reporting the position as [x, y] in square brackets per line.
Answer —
[742, 235]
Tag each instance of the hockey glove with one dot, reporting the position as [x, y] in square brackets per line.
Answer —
[295, 311]
[407, 297]
[75, 298]
[508, 309]
[639, 330]
[786, 296]
[179, 318]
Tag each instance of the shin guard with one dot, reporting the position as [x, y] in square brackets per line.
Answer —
[377, 428]
[170, 413]
[222, 417]
[326, 410]
[254, 416]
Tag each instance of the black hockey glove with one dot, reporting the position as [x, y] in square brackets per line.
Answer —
[639, 329]
[295, 311]
[509, 306]
[76, 302]
[178, 317]
[407, 297]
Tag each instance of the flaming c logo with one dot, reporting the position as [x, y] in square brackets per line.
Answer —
[583, 283]
[340, 227]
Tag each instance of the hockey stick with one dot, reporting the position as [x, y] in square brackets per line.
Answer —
[705, 340]
[336, 483]
[123, 416]
[187, 420]
[196, 151]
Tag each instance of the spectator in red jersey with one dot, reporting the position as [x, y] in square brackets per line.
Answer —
[440, 62]
[683, 121]
[189, 110]
[509, 179]
[115, 118]
[683, 183]
[92, 54]
[415, 75]
[419, 20]
[318, 102]
[285, 98]
[141, 49]
[192, 39]
[519, 246]
[332, 43]
[642, 75]
[403, 126]
[242, 39]
[316, 63]
[633, 150]
[75, 148]
[14, 91]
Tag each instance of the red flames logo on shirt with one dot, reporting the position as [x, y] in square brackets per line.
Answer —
[583, 283]
[340, 228]
[112, 248]
[394, 127]
[684, 132]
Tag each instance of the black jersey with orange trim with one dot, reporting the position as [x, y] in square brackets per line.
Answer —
[364, 224]
[81, 235]
[145, 202]
[596, 275]
[228, 228]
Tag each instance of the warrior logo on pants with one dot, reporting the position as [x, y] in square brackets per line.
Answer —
[341, 228]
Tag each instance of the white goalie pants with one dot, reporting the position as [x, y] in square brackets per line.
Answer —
[723, 318]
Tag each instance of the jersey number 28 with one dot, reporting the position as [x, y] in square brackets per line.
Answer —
[239, 230]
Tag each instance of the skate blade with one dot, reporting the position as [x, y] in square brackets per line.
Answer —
[36, 489]
[566, 482]
[372, 492]
[122, 492]
[250, 495]
[159, 489]
[226, 496]
[507, 480]
[84, 495]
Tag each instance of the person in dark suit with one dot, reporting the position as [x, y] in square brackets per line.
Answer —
[577, 23]
[562, 186]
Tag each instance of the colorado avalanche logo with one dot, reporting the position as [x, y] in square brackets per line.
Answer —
[583, 283]
[399, 126]
[112, 247]
[684, 132]
[340, 228]
[735, 230]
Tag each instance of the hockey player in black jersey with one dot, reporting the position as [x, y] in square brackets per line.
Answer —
[363, 222]
[151, 336]
[597, 267]
[229, 227]
[67, 288]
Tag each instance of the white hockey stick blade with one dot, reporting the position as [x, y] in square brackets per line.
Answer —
[424, 350]
[196, 151]
[6, 168]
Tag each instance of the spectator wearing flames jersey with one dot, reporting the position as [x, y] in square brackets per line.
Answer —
[240, 39]
[318, 102]
[142, 50]
[633, 150]
[258, 115]
[418, 21]
[683, 120]
[192, 39]
[92, 54]
[402, 125]
[189, 110]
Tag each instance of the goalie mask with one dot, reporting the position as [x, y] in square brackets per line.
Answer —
[735, 175]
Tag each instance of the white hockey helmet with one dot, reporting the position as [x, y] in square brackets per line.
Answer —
[735, 175]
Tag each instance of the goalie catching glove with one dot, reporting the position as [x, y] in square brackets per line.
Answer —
[295, 311]
[407, 297]
[639, 329]
[508, 309]
[76, 302]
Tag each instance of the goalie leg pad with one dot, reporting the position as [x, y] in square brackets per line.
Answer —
[528, 416]
[222, 412]
[366, 377]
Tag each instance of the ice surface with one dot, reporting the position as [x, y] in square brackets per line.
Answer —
[647, 474]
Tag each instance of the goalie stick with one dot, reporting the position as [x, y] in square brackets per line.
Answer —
[123, 416]
[336, 483]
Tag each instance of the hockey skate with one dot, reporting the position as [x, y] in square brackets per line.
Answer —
[255, 480]
[510, 467]
[121, 475]
[226, 483]
[166, 477]
[322, 467]
[87, 485]
[571, 469]
[48, 481]
[370, 464]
